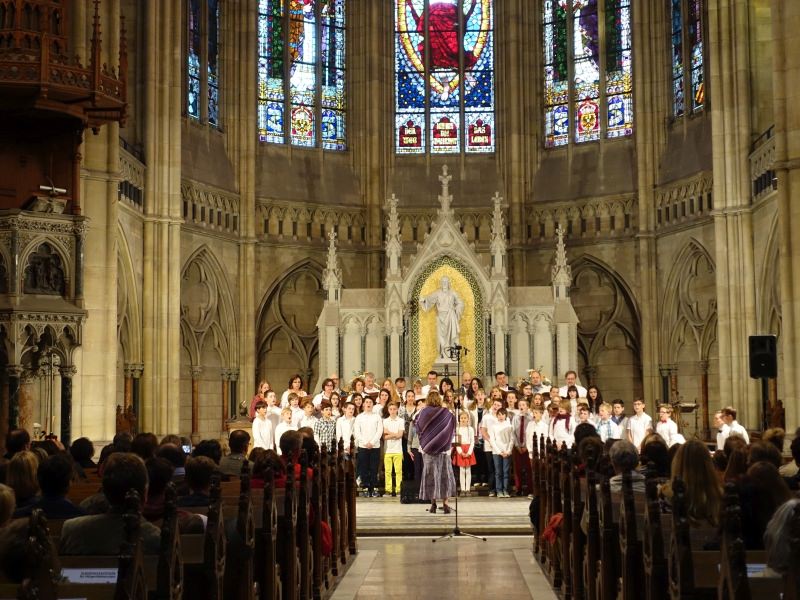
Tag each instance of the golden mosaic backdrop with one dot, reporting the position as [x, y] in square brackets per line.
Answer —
[427, 320]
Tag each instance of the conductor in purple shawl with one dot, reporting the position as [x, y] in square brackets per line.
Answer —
[436, 427]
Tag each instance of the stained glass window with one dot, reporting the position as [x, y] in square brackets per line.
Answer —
[202, 60]
[588, 70]
[444, 76]
[193, 60]
[301, 72]
[688, 72]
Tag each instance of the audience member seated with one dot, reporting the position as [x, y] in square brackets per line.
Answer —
[21, 478]
[775, 436]
[82, 451]
[791, 471]
[144, 445]
[737, 462]
[210, 448]
[122, 441]
[104, 534]
[231, 465]
[171, 438]
[54, 476]
[624, 459]
[199, 471]
[48, 447]
[694, 466]
[778, 536]
[655, 456]
[764, 452]
[583, 431]
[159, 474]
[17, 440]
[267, 459]
[7, 504]
[291, 444]
[761, 492]
[14, 547]
[176, 456]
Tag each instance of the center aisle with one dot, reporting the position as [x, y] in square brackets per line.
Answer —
[411, 568]
[478, 515]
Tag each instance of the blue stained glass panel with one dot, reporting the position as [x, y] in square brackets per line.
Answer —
[696, 46]
[333, 129]
[213, 62]
[556, 73]
[678, 101]
[619, 69]
[193, 60]
[271, 76]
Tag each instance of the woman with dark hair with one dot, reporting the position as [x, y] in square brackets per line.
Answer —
[445, 384]
[435, 428]
[260, 395]
[474, 385]
[296, 387]
[594, 397]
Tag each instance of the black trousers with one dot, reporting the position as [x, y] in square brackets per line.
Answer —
[368, 462]
[479, 468]
[490, 470]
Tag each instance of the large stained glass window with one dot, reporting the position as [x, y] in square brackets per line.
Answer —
[301, 72]
[588, 71]
[688, 69]
[444, 76]
[202, 60]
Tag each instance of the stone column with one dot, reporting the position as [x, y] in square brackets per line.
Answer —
[196, 371]
[26, 401]
[234, 393]
[706, 423]
[14, 374]
[127, 401]
[226, 378]
[786, 88]
[136, 390]
[664, 371]
[66, 403]
[729, 103]
[543, 347]
[394, 351]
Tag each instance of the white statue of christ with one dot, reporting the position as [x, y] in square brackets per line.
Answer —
[449, 308]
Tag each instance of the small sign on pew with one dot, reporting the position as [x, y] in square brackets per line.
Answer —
[88, 575]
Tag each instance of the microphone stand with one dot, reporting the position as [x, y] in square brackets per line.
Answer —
[454, 353]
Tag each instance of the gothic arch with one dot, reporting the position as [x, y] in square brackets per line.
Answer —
[287, 340]
[207, 314]
[687, 318]
[129, 322]
[769, 289]
[609, 329]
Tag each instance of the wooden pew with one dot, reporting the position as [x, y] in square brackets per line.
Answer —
[578, 541]
[536, 491]
[267, 571]
[565, 486]
[734, 582]
[204, 554]
[239, 577]
[608, 571]
[592, 560]
[131, 582]
[344, 503]
[654, 545]
[544, 487]
[166, 580]
[287, 531]
[351, 492]
[630, 548]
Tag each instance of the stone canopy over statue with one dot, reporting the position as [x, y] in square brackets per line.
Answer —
[449, 308]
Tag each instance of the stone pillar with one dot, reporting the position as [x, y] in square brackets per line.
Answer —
[14, 374]
[499, 337]
[543, 347]
[664, 371]
[786, 88]
[234, 393]
[66, 403]
[226, 377]
[705, 422]
[136, 390]
[26, 401]
[394, 351]
[728, 34]
[127, 396]
[196, 371]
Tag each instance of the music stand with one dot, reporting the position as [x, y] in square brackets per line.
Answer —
[454, 352]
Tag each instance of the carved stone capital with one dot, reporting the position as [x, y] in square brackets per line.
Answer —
[68, 371]
[234, 375]
[14, 371]
[195, 371]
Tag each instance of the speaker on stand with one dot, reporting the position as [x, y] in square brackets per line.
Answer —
[764, 366]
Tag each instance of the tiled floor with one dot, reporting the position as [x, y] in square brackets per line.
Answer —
[459, 569]
[481, 515]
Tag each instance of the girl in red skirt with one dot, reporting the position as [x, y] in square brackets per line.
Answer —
[464, 456]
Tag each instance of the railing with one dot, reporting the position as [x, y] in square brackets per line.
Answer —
[132, 177]
[210, 208]
[684, 201]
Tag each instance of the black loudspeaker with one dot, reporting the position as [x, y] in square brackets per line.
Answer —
[763, 356]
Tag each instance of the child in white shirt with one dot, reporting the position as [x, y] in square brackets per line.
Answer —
[606, 426]
[487, 422]
[284, 426]
[502, 438]
[393, 429]
[344, 426]
[308, 419]
[297, 412]
[666, 427]
[639, 425]
[262, 428]
[538, 426]
[562, 426]
[464, 456]
[368, 431]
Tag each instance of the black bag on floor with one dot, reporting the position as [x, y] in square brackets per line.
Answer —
[409, 491]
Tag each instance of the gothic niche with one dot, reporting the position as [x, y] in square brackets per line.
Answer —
[3, 275]
[44, 273]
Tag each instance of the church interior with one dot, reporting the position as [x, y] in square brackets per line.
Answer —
[197, 196]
